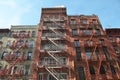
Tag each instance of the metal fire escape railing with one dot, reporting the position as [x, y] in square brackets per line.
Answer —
[51, 53]
[95, 46]
[11, 56]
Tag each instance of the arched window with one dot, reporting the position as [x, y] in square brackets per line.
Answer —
[112, 69]
[92, 70]
[102, 70]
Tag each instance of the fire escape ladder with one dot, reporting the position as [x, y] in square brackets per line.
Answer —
[12, 77]
[58, 33]
[98, 70]
[54, 73]
[93, 51]
[54, 43]
[111, 48]
[93, 33]
[55, 57]
[87, 67]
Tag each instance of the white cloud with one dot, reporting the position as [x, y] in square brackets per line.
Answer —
[60, 6]
[11, 12]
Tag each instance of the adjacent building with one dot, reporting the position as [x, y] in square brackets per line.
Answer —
[60, 47]
[17, 52]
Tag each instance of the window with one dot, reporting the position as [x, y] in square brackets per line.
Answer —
[116, 49]
[17, 54]
[11, 33]
[76, 43]
[98, 32]
[92, 70]
[63, 61]
[40, 76]
[27, 68]
[83, 21]
[7, 43]
[33, 33]
[22, 33]
[94, 21]
[111, 39]
[0, 67]
[88, 43]
[78, 53]
[118, 39]
[51, 61]
[14, 70]
[81, 73]
[51, 77]
[31, 44]
[88, 32]
[63, 76]
[29, 56]
[88, 53]
[73, 21]
[3, 55]
[102, 41]
[112, 69]
[105, 50]
[97, 52]
[0, 38]
[102, 70]
[74, 32]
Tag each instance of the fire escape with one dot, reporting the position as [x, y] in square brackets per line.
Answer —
[94, 43]
[56, 52]
[15, 57]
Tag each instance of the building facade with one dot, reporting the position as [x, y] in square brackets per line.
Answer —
[17, 53]
[60, 47]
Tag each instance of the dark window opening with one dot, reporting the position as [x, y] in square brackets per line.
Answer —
[29, 56]
[27, 69]
[40, 76]
[102, 70]
[78, 53]
[98, 32]
[105, 50]
[112, 69]
[92, 70]
[81, 73]
[3, 55]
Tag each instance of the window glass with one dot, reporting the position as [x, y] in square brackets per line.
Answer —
[40, 76]
[29, 56]
[78, 53]
[33, 33]
[76, 43]
[83, 21]
[74, 32]
[73, 21]
[27, 67]
[88, 53]
[31, 44]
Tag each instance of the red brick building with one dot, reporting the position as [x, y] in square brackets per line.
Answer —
[73, 48]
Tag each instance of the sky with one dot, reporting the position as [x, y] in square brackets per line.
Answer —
[28, 12]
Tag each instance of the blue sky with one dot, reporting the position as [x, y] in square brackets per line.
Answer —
[28, 12]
